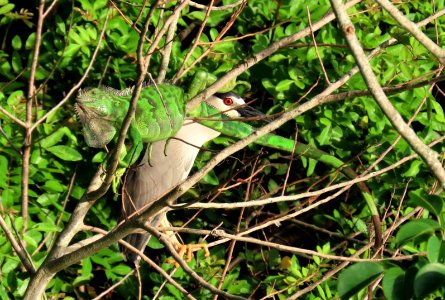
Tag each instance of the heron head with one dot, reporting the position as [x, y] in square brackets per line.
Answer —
[233, 105]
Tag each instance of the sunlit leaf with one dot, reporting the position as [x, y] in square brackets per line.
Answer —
[65, 153]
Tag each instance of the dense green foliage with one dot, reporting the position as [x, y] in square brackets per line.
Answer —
[355, 130]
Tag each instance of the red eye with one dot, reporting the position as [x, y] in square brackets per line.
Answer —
[228, 101]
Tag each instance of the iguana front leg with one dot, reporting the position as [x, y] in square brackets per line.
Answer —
[135, 148]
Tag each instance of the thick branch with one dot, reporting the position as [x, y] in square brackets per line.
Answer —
[427, 154]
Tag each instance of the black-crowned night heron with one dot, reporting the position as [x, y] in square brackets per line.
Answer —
[169, 165]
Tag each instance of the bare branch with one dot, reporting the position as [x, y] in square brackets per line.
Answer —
[293, 250]
[18, 248]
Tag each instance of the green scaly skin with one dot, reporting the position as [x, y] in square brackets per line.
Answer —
[159, 114]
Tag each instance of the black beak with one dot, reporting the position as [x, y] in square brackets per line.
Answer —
[248, 112]
[245, 111]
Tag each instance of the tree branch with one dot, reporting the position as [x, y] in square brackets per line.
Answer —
[428, 155]
[414, 30]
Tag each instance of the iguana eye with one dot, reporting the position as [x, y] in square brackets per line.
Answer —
[228, 101]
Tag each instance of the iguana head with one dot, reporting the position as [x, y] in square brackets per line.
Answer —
[97, 109]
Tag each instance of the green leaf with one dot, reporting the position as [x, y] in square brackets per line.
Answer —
[429, 278]
[325, 136]
[32, 238]
[7, 198]
[16, 42]
[357, 277]
[197, 15]
[47, 199]
[121, 269]
[7, 8]
[311, 167]
[16, 62]
[154, 243]
[210, 178]
[9, 265]
[54, 138]
[176, 293]
[46, 227]
[284, 85]
[432, 203]
[30, 41]
[413, 169]
[213, 34]
[18, 222]
[15, 98]
[3, 171]
[65, 153]
[311, 54]
[3, 293]
[415, 230]
[53, 185]
[277, 58]
[71, 50]
[436, 250]
[396, 285]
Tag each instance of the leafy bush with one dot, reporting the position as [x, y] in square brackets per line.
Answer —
[297, 244]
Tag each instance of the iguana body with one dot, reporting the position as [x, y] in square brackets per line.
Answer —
[159, 113]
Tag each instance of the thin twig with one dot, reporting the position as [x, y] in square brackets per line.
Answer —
[158, 37]
[151, 263]
[360, 178]
[293, 250]
[165, 240]
[343, 265]
[183, 70]
[118, 283]
[167, 51]
[316, 47]
[196, 42]
[11, 143]
[81, 80]
[28, 264]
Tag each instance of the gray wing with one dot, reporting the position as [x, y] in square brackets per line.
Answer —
[170, 163]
